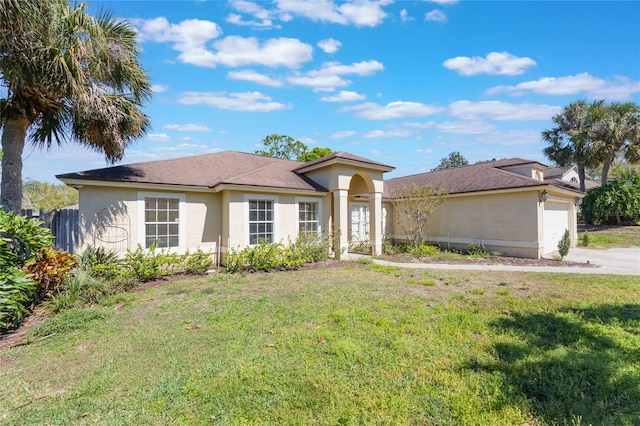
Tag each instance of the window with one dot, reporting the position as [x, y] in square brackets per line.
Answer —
[308, 218]
[161, 221]
[261, 215]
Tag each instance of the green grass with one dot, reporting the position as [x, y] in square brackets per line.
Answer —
[611, 237]
[352, 345]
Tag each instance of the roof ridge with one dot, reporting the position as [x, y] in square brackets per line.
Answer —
[271, 163]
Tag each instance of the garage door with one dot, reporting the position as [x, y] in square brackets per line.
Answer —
[555, 221]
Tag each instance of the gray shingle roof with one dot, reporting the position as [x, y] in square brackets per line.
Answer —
[207, 171]
[344, 156]
[473, 178]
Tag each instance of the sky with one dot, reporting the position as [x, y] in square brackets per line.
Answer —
[404, 83]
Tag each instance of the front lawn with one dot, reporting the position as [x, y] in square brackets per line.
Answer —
[606, 237]
[363, 344]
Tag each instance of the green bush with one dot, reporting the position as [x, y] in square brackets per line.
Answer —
[16, 291]
[478, 249]
[48, 267]
[266, 257]
[313, 248]
[564, 244]
[424, 250]
[615, 203]
[146, 265]
[101, 262]
[585, 239]
[197, 263]
[21, 238]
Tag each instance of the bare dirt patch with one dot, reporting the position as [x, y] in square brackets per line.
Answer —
[489, 260]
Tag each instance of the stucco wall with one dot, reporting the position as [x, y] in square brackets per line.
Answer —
[109, 217]
[506, 222]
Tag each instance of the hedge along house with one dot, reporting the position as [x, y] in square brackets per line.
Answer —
[230, 200]
[505, 205]
[226, 200]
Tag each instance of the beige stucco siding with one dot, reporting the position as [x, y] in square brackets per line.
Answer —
[111, 217]
[504, 222]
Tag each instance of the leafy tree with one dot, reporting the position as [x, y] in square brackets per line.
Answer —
[42, 195]
[69, 76]
[615, 203]
[567, 142]
[314, 154]
[454, 159]
[413, 207]
[615, 132]
[282, 146]
[564, 244]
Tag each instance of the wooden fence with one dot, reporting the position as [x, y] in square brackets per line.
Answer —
[63, 224]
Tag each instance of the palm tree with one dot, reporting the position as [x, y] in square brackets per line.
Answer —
[68, 76]
[568, 143]
[615, 132]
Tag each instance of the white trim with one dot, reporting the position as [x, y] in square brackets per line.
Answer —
[142, 232]
[276, 218]
[299, 200]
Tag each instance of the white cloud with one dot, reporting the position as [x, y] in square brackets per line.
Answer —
[466, 127]
[400, 109]
[495, 63]
[386, 134]
[190, 127]
[502, 111]
[248, 75]
[404, 16]
[159, 88]
[328, 77]
[248, 101]
[366, 13]
[191, 38]
[236, 51]
[329, 45]
[342, 134]
[619, 88]
[264, 17]
[435, 15]
[344, 96]
[158, 137]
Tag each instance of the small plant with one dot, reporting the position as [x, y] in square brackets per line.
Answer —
[101, 262]
[145, 265]
[478, 249]
[425, 251]
[585, 238]
[564, 244]
[16, 290]
[48, 268]
[197, 263]
[313, 248]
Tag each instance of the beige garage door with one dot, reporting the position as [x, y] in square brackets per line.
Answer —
[555, 221]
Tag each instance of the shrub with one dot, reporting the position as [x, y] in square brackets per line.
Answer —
[16, 291]
[615, 203]
[197, 263]
[78, 289]
[21, 238]
[585, 239]
[424, 250]
[145, 265]
[478, 249]
[313, 248]
[101, 262]
[564, 244]
[48, 268]
[264, 257]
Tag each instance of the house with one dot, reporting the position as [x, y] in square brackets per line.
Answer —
[231, 199]
[569, 174]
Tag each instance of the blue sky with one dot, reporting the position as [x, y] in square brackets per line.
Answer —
[401, 82]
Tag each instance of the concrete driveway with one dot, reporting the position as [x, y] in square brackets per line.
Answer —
[624, 261]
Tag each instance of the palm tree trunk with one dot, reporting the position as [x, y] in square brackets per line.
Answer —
[14, 133]
[581, 177]
[606, 165]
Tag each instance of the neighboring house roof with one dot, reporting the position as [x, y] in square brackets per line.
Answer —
[557, 172]
[206, 171]
[487, 176]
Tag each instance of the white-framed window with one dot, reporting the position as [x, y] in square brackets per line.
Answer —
[161, 219]
[261, 219]
[308, 216]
